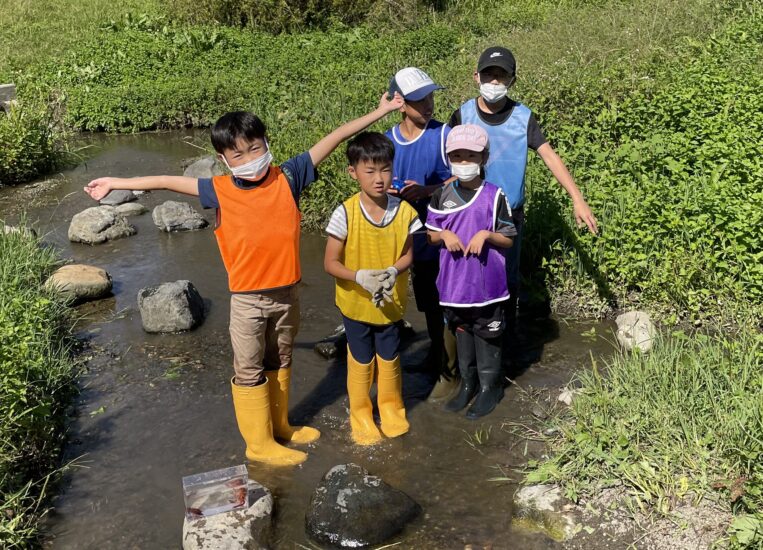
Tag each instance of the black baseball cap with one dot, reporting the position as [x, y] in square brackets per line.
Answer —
[497, 56]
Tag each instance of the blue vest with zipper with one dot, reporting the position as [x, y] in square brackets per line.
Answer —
[508, 150]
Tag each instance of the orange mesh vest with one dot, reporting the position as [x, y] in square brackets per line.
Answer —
[258, 233]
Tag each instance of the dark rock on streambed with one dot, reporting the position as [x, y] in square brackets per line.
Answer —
[170, 307]
[352, 509]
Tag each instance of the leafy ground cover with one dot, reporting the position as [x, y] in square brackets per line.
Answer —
[36, 384]
[617, 432]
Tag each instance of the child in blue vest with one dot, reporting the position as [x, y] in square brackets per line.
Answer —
[420, 168]
[513, 130]
[472, 221]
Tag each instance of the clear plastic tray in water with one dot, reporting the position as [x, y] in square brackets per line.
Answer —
[216, 492]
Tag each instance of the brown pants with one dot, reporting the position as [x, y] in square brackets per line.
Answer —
[262, 331]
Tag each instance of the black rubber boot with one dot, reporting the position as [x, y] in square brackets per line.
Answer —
[436, 356]
[490, 376]
[467, 365]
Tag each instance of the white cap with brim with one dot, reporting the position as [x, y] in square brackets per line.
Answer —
[413, 84]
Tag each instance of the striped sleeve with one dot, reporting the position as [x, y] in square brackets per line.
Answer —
[337, 226]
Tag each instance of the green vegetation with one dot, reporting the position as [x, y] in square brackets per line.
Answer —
[656, 106]
[32, 142]
[36, 384]
[616, 431]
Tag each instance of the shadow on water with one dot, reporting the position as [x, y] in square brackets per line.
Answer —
[153, 408]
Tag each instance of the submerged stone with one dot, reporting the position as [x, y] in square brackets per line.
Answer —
[177, 216]
[234, 530]
[117, 197]
[99, 224]
[170, 307]
[543, 509]
[131, 209]
[352, 509]
[80, 283]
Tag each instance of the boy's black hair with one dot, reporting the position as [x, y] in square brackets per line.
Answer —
[232, 126]
[371, 147]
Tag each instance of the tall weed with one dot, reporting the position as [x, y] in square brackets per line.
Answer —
[36, 383]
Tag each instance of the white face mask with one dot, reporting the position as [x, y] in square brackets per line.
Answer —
[252, 170]
[466, 171]
[493, 92]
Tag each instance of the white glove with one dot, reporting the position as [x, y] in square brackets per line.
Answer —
[369, 280]
[387, 280]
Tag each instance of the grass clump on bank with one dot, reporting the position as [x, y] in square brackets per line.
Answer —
[36, 384]
[31, 142]
[685, 421]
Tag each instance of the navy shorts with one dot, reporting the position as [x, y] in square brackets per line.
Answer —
[366, 340]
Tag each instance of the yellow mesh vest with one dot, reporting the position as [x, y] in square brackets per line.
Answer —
[369, 246]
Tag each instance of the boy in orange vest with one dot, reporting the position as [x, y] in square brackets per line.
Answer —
[257, 231]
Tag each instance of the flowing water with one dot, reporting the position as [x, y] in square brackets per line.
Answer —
[154, 408]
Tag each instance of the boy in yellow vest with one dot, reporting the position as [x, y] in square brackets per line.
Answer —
[257, 232]
[369, 251]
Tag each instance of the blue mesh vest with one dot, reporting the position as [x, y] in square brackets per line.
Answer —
[508, 150]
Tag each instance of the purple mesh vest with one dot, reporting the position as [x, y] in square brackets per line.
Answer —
[471, 281]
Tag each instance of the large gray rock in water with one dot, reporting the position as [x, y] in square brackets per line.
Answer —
[99, 224]
[170, 307]
[239, 529]
[118, 196]
[131, 209]
[543, 509]
[635, 330]
[352, 509]
[205, 167]
[177, 216]
[79, 283]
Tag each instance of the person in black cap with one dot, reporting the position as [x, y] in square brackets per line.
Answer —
[512, 130]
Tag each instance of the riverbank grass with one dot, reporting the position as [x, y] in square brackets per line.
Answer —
[36, 384]
[684, 422]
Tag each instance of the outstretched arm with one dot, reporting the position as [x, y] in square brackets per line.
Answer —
[326, 146]
[100, 187]
[580, 208]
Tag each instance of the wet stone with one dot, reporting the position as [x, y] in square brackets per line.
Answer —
[170, 307]
[118, 196]
[131, 209]
[543, 509]
[205, 167]
[99, 224]
[80, 283]
[250, 528]
[635, 330]
[352, 509]
[177, 216]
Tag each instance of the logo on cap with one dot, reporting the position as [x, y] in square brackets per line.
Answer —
[495, 54]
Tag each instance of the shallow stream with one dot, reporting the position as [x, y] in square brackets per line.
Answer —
[154, 408]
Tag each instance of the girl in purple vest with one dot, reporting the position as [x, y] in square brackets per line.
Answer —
[471, 219]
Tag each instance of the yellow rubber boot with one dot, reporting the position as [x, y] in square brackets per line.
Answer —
[390, 398]
[252, 406]
[359, 379]
[278, 388]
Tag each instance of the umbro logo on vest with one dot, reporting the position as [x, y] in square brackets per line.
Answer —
[449, 204]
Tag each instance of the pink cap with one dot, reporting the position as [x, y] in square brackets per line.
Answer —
[467, 136]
